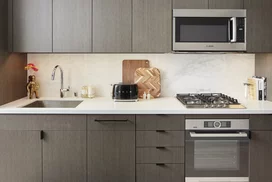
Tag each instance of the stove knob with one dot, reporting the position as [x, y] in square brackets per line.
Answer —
[217, 124]
[224, 105]
[212, 106]
[219, 106]
[206, 106]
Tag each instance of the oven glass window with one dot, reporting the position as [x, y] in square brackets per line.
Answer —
[216, 155]
[208, 29]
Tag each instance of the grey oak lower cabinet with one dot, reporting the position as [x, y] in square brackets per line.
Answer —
[261, 156]
[20, 156]
[64, 156]
[111, 156]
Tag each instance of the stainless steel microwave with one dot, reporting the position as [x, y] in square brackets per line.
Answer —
[209, 30]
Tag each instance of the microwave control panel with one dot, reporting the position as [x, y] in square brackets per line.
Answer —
[240, 29]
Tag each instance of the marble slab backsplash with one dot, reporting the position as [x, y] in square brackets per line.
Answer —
[180, 73]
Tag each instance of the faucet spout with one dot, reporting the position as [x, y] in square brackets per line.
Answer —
[62, 89]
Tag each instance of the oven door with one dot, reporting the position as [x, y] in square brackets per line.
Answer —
[209, 30]
[217, 155]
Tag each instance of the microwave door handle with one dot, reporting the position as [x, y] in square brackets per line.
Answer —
[220, 135]
[229, 38]
[234, 29]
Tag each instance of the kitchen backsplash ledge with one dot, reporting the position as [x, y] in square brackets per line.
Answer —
[181, 73]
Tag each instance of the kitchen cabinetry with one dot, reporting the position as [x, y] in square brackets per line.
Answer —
[72, 26]
[64, 156]
[259, 26]
[160, 148]
[32, 25]
[20, 156]
[260, 148]
[49, 148]
[190, 4]
[152, 25]
[111, 148]
[226, 4]
[112, 25]
[260, 156]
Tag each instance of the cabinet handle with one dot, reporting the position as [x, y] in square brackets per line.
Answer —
[160, 131]
[111, 121]
[42, 135]
[160, 147]
[160, 164]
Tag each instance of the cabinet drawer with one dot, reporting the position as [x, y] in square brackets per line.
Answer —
[160, 138]
[160, 155]
[160, 173]
[160, 122]
[260, 122]
[42, 122]
[111, 122]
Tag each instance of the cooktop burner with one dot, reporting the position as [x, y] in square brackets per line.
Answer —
[209, 100]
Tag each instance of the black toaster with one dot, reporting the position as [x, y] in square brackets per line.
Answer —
[125, 92]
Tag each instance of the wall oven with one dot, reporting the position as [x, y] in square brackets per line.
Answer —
[217, 150]
[209, 30]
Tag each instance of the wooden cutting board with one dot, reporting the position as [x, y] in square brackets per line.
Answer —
[129, 68]
[149, 81]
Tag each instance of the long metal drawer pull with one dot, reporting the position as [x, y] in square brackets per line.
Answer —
[223, 135]
[160, 164]
[112, 121]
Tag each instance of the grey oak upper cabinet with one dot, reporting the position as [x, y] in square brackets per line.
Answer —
[72, 26]
[32, 25]
[64, 156]
[190, 4]
[259, 25]
[260, 156]
[20, 156]
[152, 25]
[226, 4]
[112, 25]
[111, 156]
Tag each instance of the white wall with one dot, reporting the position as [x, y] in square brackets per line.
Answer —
[181, 73]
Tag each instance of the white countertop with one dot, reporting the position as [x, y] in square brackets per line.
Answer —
[100, 105]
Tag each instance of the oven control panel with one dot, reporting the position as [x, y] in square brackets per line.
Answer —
[217, 124]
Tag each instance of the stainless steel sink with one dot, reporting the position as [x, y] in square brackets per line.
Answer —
[53, 104]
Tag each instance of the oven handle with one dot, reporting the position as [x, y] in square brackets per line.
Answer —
[233, 20]
[215, 135]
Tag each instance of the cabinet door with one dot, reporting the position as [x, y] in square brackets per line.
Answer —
[152, 25]
[32, 25]
[190, 4]
[260, 156]
[226, 4]
[64, 156]
[160, 173]
[112, 25]
[111, 156]
[20, 156]
[259, 26]
[72, 25]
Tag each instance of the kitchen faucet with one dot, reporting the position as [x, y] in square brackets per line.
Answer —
[62, 90]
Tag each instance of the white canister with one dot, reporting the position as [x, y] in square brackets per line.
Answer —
[91, 91]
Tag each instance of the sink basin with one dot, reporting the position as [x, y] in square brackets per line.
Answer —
[53, 104]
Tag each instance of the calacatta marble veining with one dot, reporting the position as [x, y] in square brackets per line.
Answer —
[181, 73]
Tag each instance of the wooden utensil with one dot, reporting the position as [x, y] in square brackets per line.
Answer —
[129, 68]
[149, 81]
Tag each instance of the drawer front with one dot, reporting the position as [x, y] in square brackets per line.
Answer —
[111, 122]
[149, 155]
[42, 122]
[260, 122]
[160, 122]
[160, 138]
[160, 173]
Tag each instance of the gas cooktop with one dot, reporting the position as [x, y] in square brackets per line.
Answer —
[209, 100]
